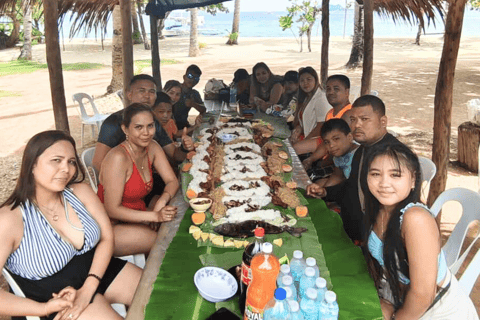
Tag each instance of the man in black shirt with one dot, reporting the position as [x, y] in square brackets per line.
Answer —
[369, 127]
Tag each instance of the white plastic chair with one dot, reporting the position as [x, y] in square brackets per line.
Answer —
[87, 159]
[95, 120]
[428, 169]
[118, 307]
[470, 201]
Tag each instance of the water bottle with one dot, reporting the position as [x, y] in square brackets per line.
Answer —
[309, 305]
[287, 282]
[233, 96]
[307, 281]
[297, 266]
[277, 308]
[321, 286]
[284, 271]
[328, 309]
[295, 310]
[311, 262]
[290, 294]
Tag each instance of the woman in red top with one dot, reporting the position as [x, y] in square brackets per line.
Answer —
[126, 178]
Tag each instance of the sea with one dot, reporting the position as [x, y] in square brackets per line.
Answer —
[266, 25]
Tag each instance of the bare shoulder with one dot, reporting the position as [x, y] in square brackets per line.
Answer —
[82, 190]
[11, 224]
[115, 157]
[418, 218]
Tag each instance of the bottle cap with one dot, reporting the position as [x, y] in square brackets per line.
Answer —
[311, 262]
[287, 280]
[285, 268]
[280, 294]
[320, 283]
[309, 272]
[267, 247]
[259, 232]
[330, 296]
[312, 293]
[294, 307]
[289, 292]
[297, 254]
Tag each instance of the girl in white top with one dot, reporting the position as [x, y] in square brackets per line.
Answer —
[313, 107]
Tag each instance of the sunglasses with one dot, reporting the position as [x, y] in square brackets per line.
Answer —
[191, 76]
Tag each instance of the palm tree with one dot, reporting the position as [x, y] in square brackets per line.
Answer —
[26, 52]
[146, 44]
[117, 52]
[356, 55]
[137, 37]
[194, 49]
[232, 39]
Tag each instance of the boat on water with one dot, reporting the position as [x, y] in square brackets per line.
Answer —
[178, 24]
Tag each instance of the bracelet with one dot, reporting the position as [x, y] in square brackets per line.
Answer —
[95, 276]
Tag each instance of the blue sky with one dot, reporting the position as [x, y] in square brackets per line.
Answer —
[269, 5]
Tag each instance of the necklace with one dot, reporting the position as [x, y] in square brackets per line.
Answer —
[51, 211]
[133, 158]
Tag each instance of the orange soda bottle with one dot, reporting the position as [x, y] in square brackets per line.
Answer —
[265, 268]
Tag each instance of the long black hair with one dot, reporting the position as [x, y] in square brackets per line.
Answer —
[25, 188]
[394, 251]
[302, 95]
[256, 84]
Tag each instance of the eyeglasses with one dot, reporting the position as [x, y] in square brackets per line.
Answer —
[192, 76]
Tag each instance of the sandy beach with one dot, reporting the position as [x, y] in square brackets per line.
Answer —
[404, 76]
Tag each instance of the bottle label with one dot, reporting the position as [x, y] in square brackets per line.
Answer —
[246, 274]
[252, 313]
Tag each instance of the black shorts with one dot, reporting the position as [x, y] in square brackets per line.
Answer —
[73, 274]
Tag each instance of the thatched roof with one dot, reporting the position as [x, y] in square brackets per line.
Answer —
[95, 13]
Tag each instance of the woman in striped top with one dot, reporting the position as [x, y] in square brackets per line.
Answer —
[57, 242]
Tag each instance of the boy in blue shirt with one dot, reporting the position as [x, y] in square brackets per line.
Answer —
[338, 139]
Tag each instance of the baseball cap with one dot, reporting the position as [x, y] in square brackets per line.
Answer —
[240, 74]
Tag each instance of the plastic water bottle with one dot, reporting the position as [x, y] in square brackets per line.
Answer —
[287, 282]
[233, 96]
[277, 308]
[311, 262]
[295, 310]
[321, 286]
[309, 305]
[284, 271]
[297, 266]
[307, 281]
[328, 309]
[290, 294]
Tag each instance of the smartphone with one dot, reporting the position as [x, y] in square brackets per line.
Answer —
[223, 314]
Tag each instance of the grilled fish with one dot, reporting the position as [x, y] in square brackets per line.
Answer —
[246, 229]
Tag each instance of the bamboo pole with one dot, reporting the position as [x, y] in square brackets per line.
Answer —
[325, 41]
[368, 47]
[125, 8]
[443, 98]
[54, 62]
[155, 51]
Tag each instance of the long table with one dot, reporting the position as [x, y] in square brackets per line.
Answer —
[171, 273]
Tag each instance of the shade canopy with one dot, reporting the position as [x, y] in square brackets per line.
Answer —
[158, 8]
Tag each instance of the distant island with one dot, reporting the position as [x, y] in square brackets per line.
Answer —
[336, 7]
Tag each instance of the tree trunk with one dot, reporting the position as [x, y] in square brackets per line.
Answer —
[367, 73]
[194, 49]
[117, 52]
[356, 55]
[54, 62]
[15, 35]
[301, 42]
[161, 26]
[155, 52]
[325, 41]
[125, 8]
[146, 43]
[137, 37]
[236, 23]
[309, 37]
[26, 52]
[443, 98]
[419, 32]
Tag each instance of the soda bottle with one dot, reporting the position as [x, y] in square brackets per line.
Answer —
[295, 310]
[307, 281]
[311, 262]
[328, 309]
[246, 276]
[309, 306]
[277, 308]
[321, 286]
[297, 266]
[287, 282]
[265, 268]
[284, 271]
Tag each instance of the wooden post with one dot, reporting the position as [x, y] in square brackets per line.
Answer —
[54, 62]
[368, 47]
[155, 52]
[443, 98]
[125, 8]
[325, 41]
